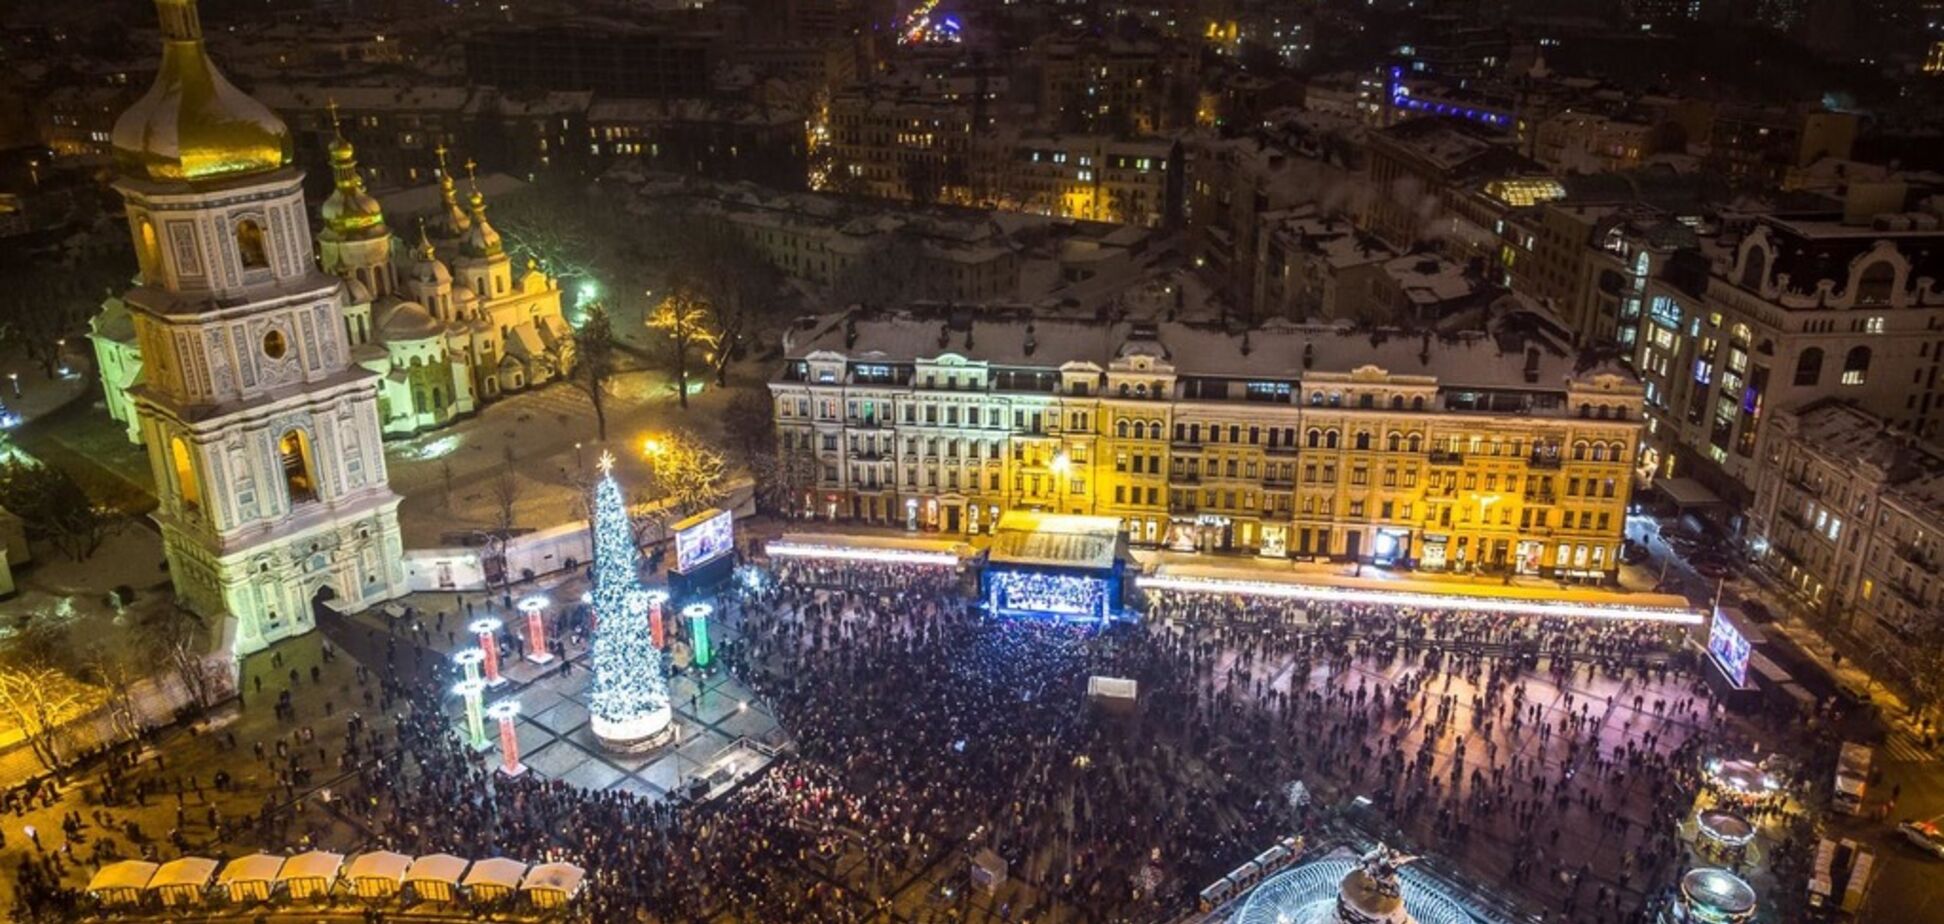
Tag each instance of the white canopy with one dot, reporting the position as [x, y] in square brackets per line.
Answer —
[438, 867]
[257, 867]
[314, 864]
[499, 871]
[190, 872]
[564, 878]
[379, 864]
[126, 874]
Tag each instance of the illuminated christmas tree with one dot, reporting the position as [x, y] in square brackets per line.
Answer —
[628, 701]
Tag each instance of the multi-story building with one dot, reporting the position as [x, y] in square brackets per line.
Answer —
[76, 122]
[1316, 267]
[261, 430]
[1428, 177]
[602, 56]
[1089, 177]
[1114, 86]
[707, 138]
[1781, 310]
[1849, 512]
[898, 142]
[1482, 452]
[1235, 188]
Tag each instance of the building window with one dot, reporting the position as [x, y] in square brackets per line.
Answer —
[187, 488]
[300, 481]
[1856, 366]
[250, 246]
[1809, 367]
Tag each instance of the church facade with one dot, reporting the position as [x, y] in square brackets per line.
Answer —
[263, 432]
[445, 322]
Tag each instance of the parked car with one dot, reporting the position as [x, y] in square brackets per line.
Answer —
[1926, 835]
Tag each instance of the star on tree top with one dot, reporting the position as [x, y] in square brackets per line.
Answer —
[606, 462]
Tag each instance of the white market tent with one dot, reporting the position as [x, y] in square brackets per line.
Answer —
[250, 878]
[311, 874]
[435, 877]
[377, 874]
[495, 878]
[121, 883]
[184, 880]
[551, 885]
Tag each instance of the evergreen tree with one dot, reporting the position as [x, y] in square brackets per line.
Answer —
[629, 684]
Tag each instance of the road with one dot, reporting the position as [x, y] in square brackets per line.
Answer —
[1910, 883]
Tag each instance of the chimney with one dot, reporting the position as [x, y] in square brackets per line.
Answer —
[850, 332]
[1031, 344]
[1309, 354]
[944, 335]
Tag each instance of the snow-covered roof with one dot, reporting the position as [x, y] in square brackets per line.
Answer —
[1058, 540]
[437, 867]
[378, 864]
[257, 867]
[565, 878]
[126, 874]
[187, 872]
[313, 864]
[498, 871]
[1280, 352]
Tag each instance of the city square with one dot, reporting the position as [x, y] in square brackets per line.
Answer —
[1299, 463]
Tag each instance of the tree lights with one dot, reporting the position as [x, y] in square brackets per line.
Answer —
[628, 702]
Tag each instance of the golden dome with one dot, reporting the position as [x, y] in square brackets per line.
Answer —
[349, 211]
[193, 124]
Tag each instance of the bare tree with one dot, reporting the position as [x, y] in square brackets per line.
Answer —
[113, 657]
[594, 364]
[687, 319]
[55, 508]
[38, 694]
[506, 498]
[182, 643]
[736, 283]
[782, 478]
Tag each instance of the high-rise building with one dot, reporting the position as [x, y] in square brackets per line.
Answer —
[262, 432]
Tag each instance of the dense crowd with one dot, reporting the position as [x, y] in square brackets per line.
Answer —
[927, 731]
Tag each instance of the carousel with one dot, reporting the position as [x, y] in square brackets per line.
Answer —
[1346, 889]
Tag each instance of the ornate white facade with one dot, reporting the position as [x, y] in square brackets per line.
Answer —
[262, 433]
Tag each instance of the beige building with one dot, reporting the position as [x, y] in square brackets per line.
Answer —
[1849, 512]
[1473, 454]
[1778, 311]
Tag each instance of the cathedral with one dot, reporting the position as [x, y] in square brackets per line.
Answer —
[262, 420]
[444, 322]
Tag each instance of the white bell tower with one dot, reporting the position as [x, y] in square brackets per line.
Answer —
[262, 434]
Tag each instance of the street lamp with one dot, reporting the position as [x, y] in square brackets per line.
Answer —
[1061, 466]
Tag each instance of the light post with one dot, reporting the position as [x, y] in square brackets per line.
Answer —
[14, 378]
[488, 632]
[658, 631]
[535, 609]
[698, 619]
[1061, 466]
[505, 711]
[468, 661]
[580, 461]
[474, 692]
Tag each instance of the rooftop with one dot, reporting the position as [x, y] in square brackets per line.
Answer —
[1913, 472]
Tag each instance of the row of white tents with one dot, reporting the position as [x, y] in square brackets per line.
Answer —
[314, 875]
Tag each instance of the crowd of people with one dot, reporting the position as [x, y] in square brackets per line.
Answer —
[926, 731]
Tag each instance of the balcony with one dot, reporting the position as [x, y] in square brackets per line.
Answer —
[1184, 477]
[1793, 518]
[1541, 498]
[1796, 481]
[1447, 457]
[1544, 461]
[872, 422]
[1280, 450]
[1279, 484]
[1916, 556]
[1184, 446]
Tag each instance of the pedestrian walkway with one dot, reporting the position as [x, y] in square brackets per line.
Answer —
[1902, 748]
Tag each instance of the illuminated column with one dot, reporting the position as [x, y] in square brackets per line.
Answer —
[474, 692]
[468, 661]
[535, 607]
[698, 620]
[655, 628]
[488, 631]
[505, 711]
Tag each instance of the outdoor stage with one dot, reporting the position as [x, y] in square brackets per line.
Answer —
[1055, 566]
